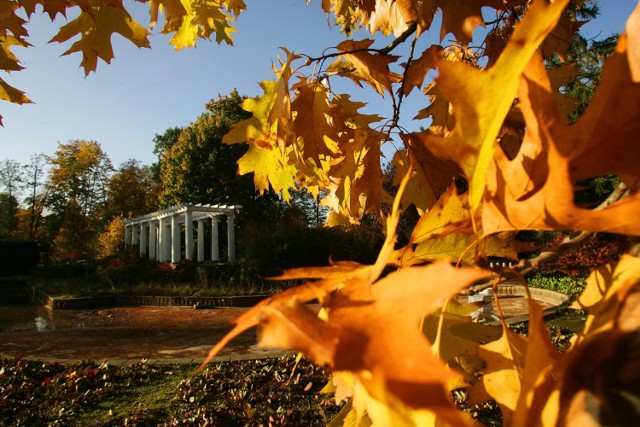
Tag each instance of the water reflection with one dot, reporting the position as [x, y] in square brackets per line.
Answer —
[37, 318]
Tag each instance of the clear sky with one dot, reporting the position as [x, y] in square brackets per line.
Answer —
[145, 91]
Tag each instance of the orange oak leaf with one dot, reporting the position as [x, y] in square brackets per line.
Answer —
[438, 174]
[535, 189]
[596, 381]
[419, 68]
[559, 39]
[359, 65]
[461, 17]
[369, 329]
[481, 99]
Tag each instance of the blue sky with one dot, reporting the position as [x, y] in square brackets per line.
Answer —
[145, 91]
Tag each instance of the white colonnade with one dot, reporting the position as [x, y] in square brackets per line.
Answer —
[160, 234]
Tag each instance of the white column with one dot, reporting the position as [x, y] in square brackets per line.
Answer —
[143, 238]
[175, 239]
[231, 237]
[127, 235]
[167, 246]
[215, 250]
[188, 235]
[152, 240]
[200, 240]
[163, 240]
[134, 235]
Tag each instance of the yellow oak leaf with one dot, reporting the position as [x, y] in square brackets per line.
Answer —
[268, 132]
[11, 94]
[538, 376]
[502, 379]
[360, 184]
[535, 191]
[481, 99]
[211, 18]
[439, 110]
[95, 30]
[8, 61]
[455, 335]
[174, 12]
[312, 114]
[450, 214]
[391, 16]
[359, 65]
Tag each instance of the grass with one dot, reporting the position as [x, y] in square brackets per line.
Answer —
[140, 277]
[243, 393]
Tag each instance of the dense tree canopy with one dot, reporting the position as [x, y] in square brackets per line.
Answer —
[78, 177]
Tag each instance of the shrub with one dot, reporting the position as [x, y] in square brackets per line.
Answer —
[18, 256]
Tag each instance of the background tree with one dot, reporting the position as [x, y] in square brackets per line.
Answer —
[11, 178]
[37, 191]
[195, 167]
[78, 177]
[8, 215]
[131, 191]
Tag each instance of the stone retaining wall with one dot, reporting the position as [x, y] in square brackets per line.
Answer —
[40, 297]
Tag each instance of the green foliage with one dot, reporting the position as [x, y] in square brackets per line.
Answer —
[131, 191]
[284, 245]
[8, 217]
[568, 285]
[18, 256]
[78, 178]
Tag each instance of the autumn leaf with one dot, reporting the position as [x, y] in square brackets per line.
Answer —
[269, 134]
[538, 193]
[8, 93]
[312, 114]
[596, 381]
[503, 375]
[461, 17]
[369, 329]
[95, 32]
[8, 61]
[538, 376]
[359, 65]
[418, 68]
[391, 16]
[560, 38]
[481, 99]
[174, 12]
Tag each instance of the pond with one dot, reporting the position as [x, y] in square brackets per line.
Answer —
[120, 333]
[37, 318]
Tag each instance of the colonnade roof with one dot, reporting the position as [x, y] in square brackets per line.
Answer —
[198, 211]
